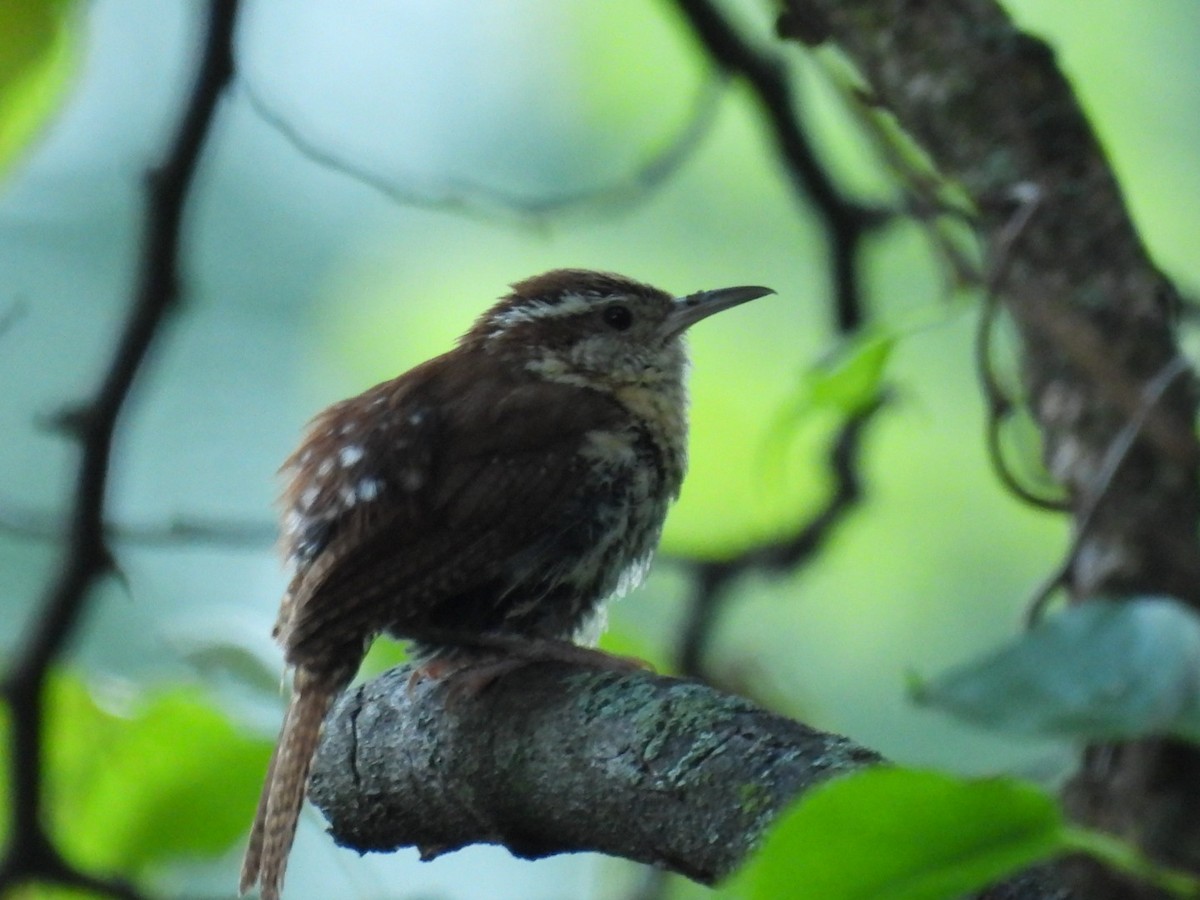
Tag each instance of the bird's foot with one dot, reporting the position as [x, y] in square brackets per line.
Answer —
[470, 668]
[539, 649]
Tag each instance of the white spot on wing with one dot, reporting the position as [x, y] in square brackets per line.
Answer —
[347, 495]
[368, 489]
[349, 455]
[309, 497]
[325, 467]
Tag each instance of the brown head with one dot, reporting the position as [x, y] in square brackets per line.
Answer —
[598, 329]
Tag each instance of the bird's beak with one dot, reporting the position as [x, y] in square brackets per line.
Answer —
[687, 311]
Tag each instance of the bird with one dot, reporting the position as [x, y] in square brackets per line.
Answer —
[483, 505]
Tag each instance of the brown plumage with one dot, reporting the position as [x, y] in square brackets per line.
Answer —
[501, 491]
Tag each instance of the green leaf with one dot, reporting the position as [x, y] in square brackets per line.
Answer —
[132, 784]
[845, 382]
[1099, 670]
[841, 386]
[38, 55]
[897, 834]
[852, 378]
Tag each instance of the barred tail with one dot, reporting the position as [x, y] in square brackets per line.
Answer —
[286, 783]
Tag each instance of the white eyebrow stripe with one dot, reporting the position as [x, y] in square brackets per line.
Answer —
[569, 305]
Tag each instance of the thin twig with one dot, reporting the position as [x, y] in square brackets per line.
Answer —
[846, 221]
[928, 198]
[1000, 406]
[492, 203]
[189, 531]
[713, 578]
[31, 854]
[1114, 457]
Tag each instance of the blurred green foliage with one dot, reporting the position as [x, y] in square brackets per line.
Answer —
[1099, 671]
[908, 834]
[140, 781]
[39, 52]
[304, 286]
[902, 834]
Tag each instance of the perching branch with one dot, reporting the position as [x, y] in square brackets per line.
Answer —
[31, 854]
[552, 759]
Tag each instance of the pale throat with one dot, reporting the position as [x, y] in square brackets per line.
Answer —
[663, 406]
[655, 394]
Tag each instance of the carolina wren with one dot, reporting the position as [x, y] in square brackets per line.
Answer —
[493, 496]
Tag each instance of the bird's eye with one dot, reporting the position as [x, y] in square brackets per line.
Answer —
[618, 317]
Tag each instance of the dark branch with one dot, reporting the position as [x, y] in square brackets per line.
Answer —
[714, 577]
[1096, 323]
[31, 855]
[846, 224]
[846, 221]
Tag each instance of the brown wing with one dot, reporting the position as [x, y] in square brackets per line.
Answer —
[425, 489]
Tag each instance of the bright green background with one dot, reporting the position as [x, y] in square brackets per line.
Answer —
[304, 286]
